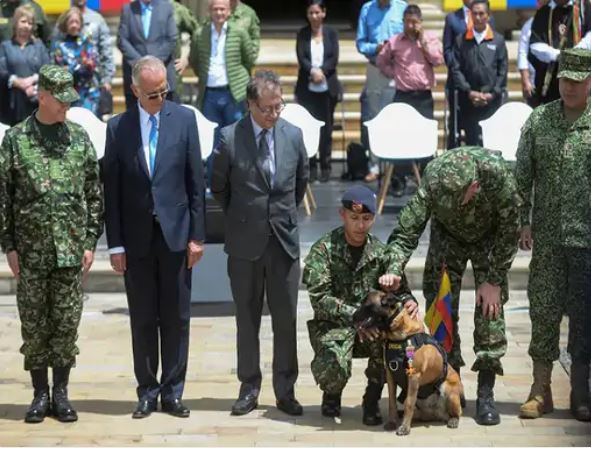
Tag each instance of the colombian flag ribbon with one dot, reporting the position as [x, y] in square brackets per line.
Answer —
[438, 317]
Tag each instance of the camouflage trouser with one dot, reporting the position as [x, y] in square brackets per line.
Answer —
[559, 283]
[334, 350]
[49, 303]
[490, 342]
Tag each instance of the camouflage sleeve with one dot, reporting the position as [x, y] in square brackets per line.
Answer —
[318, 280]
[505, 240]
[524, 171]
[6, 197]
[411, 224]
[93, 194]
[404, 291]
[254, 31]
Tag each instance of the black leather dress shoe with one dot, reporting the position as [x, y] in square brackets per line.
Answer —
[175, 408]
[144, 409]
[245, 404]
[291, 406]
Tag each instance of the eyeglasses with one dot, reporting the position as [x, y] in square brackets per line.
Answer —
[158, 95]
[270, 109]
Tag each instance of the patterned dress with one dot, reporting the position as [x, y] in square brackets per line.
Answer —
[79, 54]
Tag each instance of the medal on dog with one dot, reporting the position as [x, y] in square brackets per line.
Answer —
[410, 353]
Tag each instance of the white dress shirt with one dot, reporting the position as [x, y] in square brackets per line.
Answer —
[523, 49]
[217, 75]
[541, 50]
[270, 139]
[317, 59]
[479, 37]
[145, 127]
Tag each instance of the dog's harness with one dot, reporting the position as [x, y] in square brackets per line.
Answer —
[398, 358]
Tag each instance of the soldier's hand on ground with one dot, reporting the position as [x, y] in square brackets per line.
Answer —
[488, 296]
[526, 241]
[119, 262]
[194, 253]
[370, 334]
[12, 259]
[412, 308]
[87, 260]
[389, 282]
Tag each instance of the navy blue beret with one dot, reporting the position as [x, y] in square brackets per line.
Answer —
[359, 199]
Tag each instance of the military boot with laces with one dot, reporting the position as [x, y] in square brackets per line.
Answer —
[40, 407]
[331, 405]
[486, 412]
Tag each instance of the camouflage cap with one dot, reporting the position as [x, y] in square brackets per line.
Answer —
[458, 169]
[574, 64]
[58, 82]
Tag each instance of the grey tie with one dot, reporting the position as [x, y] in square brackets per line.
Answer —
[268, 157]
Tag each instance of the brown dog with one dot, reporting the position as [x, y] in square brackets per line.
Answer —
[427, 371]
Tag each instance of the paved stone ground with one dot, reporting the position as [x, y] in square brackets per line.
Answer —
[103, 391]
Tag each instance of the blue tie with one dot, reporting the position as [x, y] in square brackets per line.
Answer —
[146, 12]
[153, 143]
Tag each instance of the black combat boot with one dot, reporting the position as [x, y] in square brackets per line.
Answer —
[62, 409]
[331, 405]
[40, 407]
[371, 404]
[579, 394]
[486, 413]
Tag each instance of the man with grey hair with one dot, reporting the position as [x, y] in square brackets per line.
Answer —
[155, 217]
[262, 240]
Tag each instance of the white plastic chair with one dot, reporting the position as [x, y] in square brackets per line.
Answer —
[299, 116]
[206, 129]
[96, 128]
[399, 132]
[3, 129]
[502, 130]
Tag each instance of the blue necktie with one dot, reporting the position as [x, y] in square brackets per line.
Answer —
[153, 143]
[146, 11]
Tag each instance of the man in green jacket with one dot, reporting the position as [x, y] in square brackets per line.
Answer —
[470, 196]
[553, 175]
[341, 269]
[222, 56]
[51, 216]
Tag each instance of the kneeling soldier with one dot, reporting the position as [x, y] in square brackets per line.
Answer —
[341, 269]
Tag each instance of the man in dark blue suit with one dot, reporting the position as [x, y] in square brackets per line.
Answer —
[154, 205]
[456, 24]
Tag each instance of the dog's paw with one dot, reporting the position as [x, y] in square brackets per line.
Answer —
[453, 423]
[403, 430]
[390, 426]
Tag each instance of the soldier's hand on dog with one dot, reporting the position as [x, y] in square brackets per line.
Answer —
[12, 259]
[488, 296]
[526, 241]
[370, 334]
[389, 282]
[412, 308]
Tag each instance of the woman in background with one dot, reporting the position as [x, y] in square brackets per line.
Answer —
[20, 60]
[317, 87]
[78, 54]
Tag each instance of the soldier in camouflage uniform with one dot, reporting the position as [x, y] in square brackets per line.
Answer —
[341, 269]
[51, 210]
[553, 172]
[185, 23]
[471, 198]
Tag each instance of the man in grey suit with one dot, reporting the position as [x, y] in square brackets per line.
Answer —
[260, 172]
[147, 27]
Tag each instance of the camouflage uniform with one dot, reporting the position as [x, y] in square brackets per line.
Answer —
[50, 212]
[185, 23]
[554, 161]
[336, 290]
[246, 18]
[483, 231]
[7, 8]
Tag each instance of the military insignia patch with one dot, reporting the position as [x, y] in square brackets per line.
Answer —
[356, 207]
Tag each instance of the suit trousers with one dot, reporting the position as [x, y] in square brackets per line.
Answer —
[276, 274]
[159, 296]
